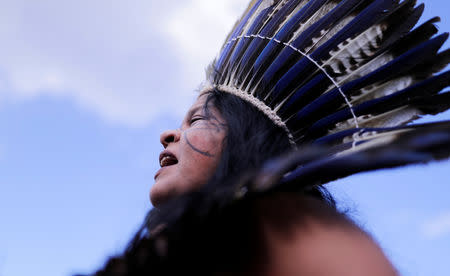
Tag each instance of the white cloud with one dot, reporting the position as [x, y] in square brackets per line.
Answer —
[127, 61]
[199, 27]
[438, 226]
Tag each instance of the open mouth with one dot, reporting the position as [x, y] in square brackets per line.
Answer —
[167, 159]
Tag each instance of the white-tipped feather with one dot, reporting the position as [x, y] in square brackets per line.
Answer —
[319, 41]
[313, 19]
[264, 5]
[377, 90]
[278, 7]
[365, 69]
[292, 14]
[392, 118]
[370, 135]
[396, 117]
[357, 49]
[358, 56]
[368, 143]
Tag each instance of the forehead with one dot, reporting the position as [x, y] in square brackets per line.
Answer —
[199, 107]
[199, 104]
[201, 100]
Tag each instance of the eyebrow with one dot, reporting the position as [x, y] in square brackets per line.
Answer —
[193, 111]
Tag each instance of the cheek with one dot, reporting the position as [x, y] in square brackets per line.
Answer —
[204, 141]
[202, 149]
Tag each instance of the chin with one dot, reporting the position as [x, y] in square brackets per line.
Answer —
[157, 193]
[156, 198]
[168, 186]
[162, 190]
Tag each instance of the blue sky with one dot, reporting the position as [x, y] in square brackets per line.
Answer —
[85, 89]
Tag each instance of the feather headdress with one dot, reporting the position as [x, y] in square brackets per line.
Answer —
[343, 78]
[335, 71]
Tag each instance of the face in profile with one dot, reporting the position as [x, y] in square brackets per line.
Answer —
[191, 153]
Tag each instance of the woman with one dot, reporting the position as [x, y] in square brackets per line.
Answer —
[302, 73]
[216, 145]
[337, 80]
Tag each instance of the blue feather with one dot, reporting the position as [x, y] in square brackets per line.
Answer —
[420, 144]
[303, 14]
[400, 23]
[354, 163]
[288, 29]
[267, 31]
[386, 103]
[298, 99]
[402, 63]
[327, 102]
[234, 34]
[244, 42]
[364, 20]
[304, 67]
[337, 138]
[343, 9]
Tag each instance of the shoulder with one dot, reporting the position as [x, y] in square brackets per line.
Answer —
[303, 236]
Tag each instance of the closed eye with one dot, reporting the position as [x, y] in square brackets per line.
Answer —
[195, 119]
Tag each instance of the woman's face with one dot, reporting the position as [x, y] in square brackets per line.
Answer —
[191, 152]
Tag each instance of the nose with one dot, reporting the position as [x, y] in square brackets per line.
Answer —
[169, 136]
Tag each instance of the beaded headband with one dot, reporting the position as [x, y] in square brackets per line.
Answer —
[260, 105]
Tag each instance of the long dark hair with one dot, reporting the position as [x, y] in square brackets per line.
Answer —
[194, 231]
[251, 140]
[251, 137]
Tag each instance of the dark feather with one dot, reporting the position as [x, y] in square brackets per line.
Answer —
[328, 102]
[285, 33]
[243, 43]
[417, 96]
[268, 30]
[419, 144]
[237, 31]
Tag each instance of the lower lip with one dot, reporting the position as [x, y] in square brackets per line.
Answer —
[161, 170]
